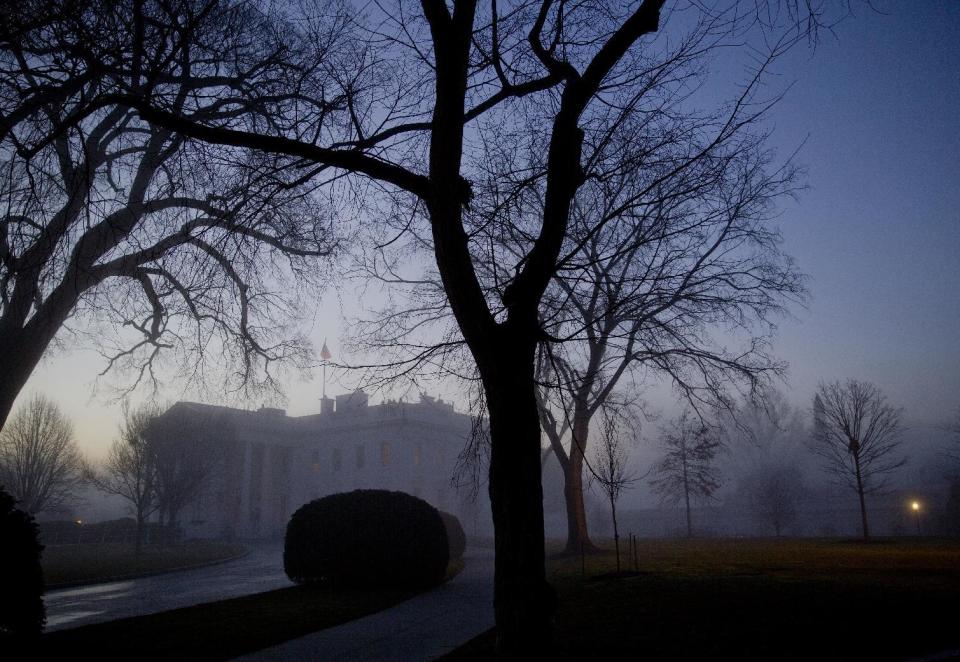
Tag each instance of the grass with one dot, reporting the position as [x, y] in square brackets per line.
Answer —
[756, 600]
[224, 629]
[75, 564]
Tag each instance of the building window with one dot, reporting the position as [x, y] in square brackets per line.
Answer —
[385, 453]
[335, 459]
[316, 460]
[361, 460]
[417, 454]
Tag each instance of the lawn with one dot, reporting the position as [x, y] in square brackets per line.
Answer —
[757, 600]
[75, 564]
[224, 629]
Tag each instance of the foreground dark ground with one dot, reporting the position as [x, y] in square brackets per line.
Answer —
[757, 599]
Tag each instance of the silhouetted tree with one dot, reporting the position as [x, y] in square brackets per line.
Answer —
[644, 290]
[857, 435]
[39, 461]
[655, 258]
[359, 113]
[686, 469]
[130, 470]
[134, 227]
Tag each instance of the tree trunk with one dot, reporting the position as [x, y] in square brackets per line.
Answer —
[578, 537]
[19, 355]
[863, 503]
[138, 538]
[23, 341]
[616, 530]
[172, 518]
[686, 498]
[523, 601]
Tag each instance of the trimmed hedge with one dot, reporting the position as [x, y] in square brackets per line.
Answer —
[366, 538]
[456, 538]
[21, 576]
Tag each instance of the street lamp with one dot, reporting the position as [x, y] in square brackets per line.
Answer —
[915, 506]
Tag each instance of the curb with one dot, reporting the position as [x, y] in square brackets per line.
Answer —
[138, 575]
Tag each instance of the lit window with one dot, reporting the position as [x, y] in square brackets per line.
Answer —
[385, 453]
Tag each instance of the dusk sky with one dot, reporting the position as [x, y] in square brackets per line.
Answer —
[877, 230]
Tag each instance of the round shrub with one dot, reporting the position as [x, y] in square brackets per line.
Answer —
[456, 538]
[21, 577]
[366, 538]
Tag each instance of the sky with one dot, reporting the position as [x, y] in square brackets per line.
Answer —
[876, 108]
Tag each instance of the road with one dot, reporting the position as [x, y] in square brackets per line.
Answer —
[260, 570]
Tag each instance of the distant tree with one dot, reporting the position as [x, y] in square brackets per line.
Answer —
[951, 514]
[774, 491]
[765, 427]
[766, 435]
[953, 448]
[39, 460]
[130, 471]
[185, 459]
[686, 470]
[21, 575]
[611, 465]
[857, 435]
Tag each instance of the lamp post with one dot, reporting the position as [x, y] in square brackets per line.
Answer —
[915, 506]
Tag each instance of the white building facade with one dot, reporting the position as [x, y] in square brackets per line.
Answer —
[268, 464]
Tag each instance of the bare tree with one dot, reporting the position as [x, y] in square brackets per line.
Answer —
[774, 491]
[857, 435]
[655, 259]
[365, 118]
[40, 463]
[953, 443]
[130, 470]
[686, 469]
[611, 464]
[767, 437]
[163, 245]
[186, 457]
[697, 252]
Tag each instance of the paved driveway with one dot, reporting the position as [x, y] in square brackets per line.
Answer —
[260, 570]
[424, 628]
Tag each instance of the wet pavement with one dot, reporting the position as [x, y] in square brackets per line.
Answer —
[260, 570]
[423, 628]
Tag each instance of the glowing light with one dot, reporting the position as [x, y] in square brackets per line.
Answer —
[79, 522]
[915, 505]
